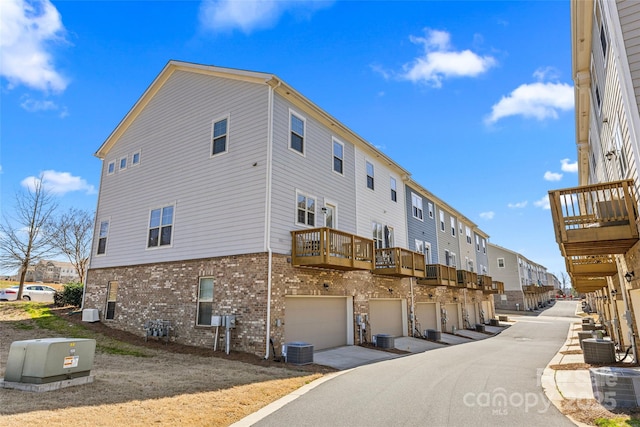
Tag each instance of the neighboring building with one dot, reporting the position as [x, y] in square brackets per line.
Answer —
[596, 223]
[227, 192]
[525, 282]
[51, 272]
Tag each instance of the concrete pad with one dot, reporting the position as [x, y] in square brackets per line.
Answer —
[350, 356]
[55, 385]
[472, 334]
[416, 345]
[494, 329]
[574, 384]
[454, 339]
[572, 358]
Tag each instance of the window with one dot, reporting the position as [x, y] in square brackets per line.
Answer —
[338, 157]
[419, 246]
[442, 221]
[470, 265]
[219, 137]
[449, 258]
[500, 262]
[135, 159]
[160, 227]
[603, 40]
[383, 236]
[112, 292]
[394, 190]
[597, 96]
[453, 226]
[477, 243]
[111, 168]
[296, 139]
[430, 205]
[306, 209]
[468, 233]
[484, 246]
[102, 237]
[123, 163]
[205, 301]
[620, 153]
[427, 253]
[416, 206]
[329, 215]
[369, 175]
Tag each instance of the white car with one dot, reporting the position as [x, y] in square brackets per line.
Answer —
[40, 293]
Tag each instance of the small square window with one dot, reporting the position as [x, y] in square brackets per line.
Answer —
[111, 168]
[135, 159]
[123, 163]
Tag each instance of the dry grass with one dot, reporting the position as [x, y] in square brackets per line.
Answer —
[566, 352]
[163, 389]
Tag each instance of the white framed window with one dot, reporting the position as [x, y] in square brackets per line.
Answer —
[135, 158]
[305, 210]
[112, 297]
[419, 246]
[205, 301]
[297, 126]
[468, 234]
[501, 263]
[394, 189]
[478, 243]
[370, 175]
[470, 265]
[377, 235]
[416, 206]
[453, 226]
[103, 233]
[484, 246]
[123, 163]
[338, 156]
[430, 207]
[449, 258]
[160, 227]
[427, 253]
[219, 136]
[111, 168]
[442, 226]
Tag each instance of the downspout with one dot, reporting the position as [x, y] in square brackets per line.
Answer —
[267, 218]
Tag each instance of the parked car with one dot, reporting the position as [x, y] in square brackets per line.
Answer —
[39, 293]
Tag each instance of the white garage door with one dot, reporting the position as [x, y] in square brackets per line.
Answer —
[486, 308]
[385, 317]
[452, 316]
[426, 316]
[321, 321]
[471, 312]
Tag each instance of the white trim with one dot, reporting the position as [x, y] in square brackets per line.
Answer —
[198, 301]
[335, 213]
[304, 131]
[315, 209]
[99, 223]
[334, 141]
[173, 227]
[419, 209]
[373, 175]
[226, 117]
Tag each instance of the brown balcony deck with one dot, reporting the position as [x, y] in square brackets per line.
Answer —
[536, 289]
[439, 275]
[399, 262]
[591, 265]
[467, 279]
[588, 284]
[597, 219]
[495, 287]
[329, 248]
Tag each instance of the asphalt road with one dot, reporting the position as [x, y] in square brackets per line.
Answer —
[492, 382]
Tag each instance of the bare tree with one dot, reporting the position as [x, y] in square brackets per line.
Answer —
[71, 234]
[23, 236]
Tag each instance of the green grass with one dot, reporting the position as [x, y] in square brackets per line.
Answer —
[45, 319]
[617, 422]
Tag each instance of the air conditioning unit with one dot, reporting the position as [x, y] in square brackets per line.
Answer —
[47, 360]
[385, 341]
[585, 335]
[616, 387]
[90, 315]
[480, 327]
[433, 335]
[494, 322]
[299, 353]
[599, 352]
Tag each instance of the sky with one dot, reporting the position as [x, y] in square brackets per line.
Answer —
[475, 98]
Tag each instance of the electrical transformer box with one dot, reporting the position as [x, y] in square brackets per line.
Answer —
[46, 360]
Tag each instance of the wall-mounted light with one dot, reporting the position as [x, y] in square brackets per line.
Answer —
[609, 155]
[455, 298]
[614, 292]
[629, 276]
[325, 285]
[324, 210]
[390, 290]
[430, 295]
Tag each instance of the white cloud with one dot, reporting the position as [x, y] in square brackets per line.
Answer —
[439, 61]
[536, 100]
[569, 167]
[487, 215]
[546, 73]
[33, 105]
[250, 15]
[59, 183]
[543, 203]
[552, 176]
[27, 29]
[518, 205]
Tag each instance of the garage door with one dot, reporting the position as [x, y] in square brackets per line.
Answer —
[385, 317]
[426, 315]
[320, 321]
[471, 312]
[452, 316]
[486, 308]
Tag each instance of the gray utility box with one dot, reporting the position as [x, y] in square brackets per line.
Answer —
[299, 353]
[47, 360]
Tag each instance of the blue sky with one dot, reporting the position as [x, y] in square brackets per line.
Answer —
[475, 98]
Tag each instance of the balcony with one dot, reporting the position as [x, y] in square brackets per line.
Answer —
[439, 275]
[591, 265]
[467, 279]
[588, 284]
[399, 262]
[496, 287]
[484, 282]
[597, 219]
[329, 248]
[536, 289]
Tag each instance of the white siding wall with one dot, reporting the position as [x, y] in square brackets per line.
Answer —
[376, 205]
[311, 174]
[219, 201]
[510, 274]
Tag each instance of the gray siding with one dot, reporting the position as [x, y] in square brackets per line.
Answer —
[510, 274]
[311, 174]
[482, 254]
[467, 249]
[446, 241]
[424, 230]
[219, 201]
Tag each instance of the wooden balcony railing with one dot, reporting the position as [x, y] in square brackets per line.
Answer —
[467, 279]
[328, 248]
[536, 289]
[439, 275]
[399, 262]
[484, 281]
[591, 265]
[598, 219]
[497, 287]
[588, 284]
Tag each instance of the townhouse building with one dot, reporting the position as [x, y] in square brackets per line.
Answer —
[227, 192]
[596, 223]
